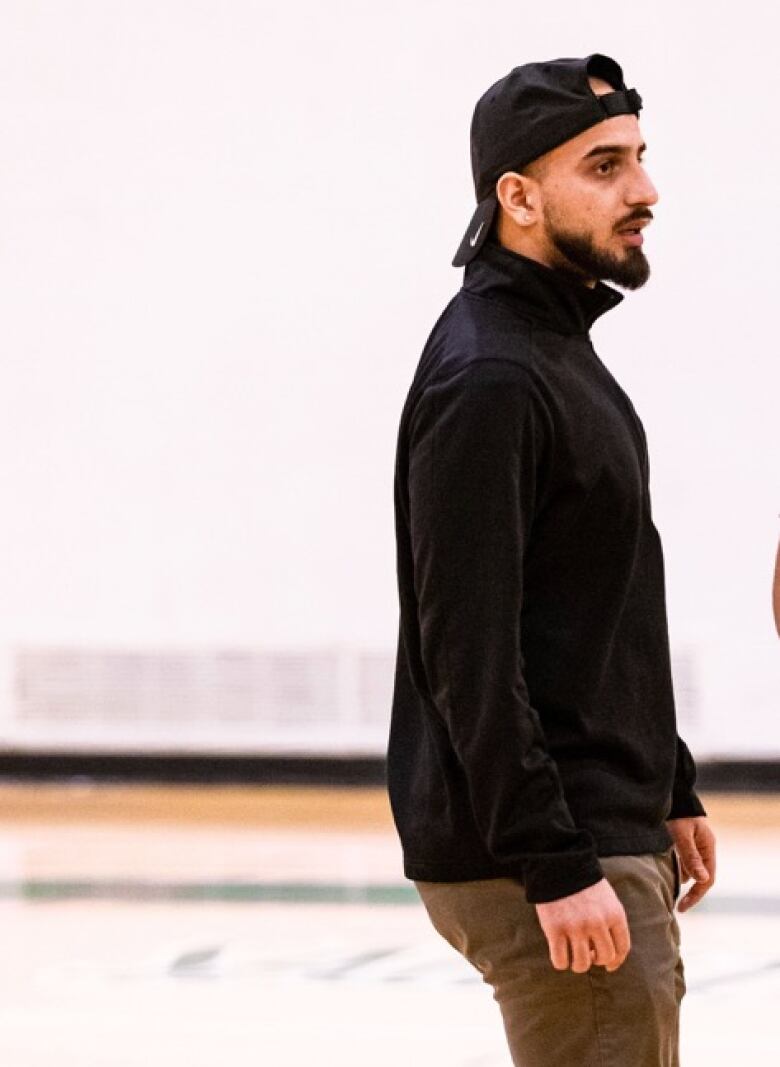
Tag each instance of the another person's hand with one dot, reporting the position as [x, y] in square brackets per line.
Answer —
[776, 591]
[695, 844]
[585, 928]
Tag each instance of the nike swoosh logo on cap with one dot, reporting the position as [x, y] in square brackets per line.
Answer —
[473, 240]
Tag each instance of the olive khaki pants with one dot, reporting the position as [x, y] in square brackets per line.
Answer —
[626, 1018]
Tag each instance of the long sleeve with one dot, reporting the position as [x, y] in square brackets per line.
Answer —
[685, 802]
[475, 447]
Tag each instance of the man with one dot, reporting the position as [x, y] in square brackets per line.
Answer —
[545, 804]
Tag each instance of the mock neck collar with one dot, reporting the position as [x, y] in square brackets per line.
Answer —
[559, 302]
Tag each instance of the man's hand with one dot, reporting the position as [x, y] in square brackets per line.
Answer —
[695, 844]
[591, 924]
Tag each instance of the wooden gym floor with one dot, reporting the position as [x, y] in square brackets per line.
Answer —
[200, 926]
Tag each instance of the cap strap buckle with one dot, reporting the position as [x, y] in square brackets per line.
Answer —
[621, 102]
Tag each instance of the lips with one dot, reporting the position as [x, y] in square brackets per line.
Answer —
[632, 234]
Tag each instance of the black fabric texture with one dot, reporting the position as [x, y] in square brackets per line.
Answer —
[533, 719]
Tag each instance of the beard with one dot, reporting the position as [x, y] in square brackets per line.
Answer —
[582, 258]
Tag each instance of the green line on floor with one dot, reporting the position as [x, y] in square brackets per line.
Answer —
[227, 892]
[140, 892]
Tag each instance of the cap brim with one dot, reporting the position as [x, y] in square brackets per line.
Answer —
[478, 229]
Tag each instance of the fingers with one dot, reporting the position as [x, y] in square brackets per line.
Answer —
[559, 951]
[697, 860]
[604, 951]
[606, 947]
[580, 954]
[695, 893]
[706, 844]
[599, 948]
[692, 862]
[622, 941]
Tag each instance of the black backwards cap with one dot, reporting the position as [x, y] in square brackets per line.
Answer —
[530, 111]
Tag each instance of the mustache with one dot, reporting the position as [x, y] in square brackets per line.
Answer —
[636, 217]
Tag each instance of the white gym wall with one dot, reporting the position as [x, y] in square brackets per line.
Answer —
[226, 230]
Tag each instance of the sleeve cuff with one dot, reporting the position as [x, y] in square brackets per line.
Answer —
[553, 876]
[685, 805]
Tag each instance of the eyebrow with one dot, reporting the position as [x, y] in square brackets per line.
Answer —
[612, 150]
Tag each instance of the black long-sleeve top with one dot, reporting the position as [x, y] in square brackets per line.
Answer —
[533, 721]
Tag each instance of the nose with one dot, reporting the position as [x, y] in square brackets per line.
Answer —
[641, 190]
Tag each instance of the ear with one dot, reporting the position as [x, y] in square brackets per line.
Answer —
[520, 197]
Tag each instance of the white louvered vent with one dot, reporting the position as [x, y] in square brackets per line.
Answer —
[304, 700]
[227, 686]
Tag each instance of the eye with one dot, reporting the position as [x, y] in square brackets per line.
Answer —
[609, 164]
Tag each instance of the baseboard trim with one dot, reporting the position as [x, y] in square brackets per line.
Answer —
[193, 770]
[723, 776]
